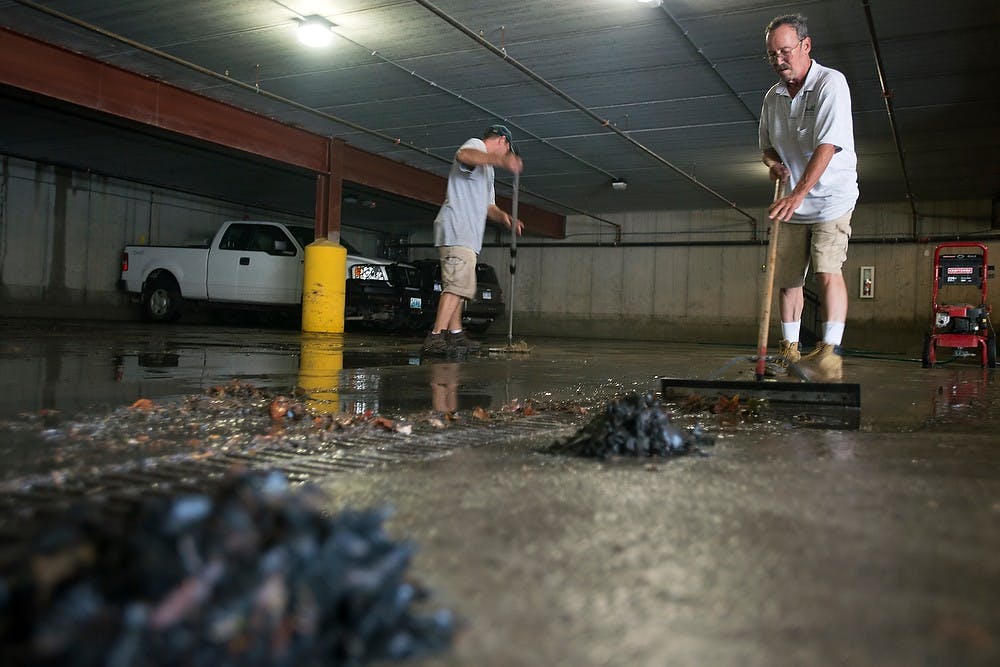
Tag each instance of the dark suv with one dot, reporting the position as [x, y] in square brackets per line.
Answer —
[383, 293]
[480, 312]
[379, 293]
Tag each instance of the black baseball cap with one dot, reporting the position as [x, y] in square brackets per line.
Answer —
[502, 131]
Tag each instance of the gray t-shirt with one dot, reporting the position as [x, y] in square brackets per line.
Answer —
[462, 218]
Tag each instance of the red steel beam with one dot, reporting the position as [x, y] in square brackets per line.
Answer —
[330, 193]
[380, 172]
[49, 70]
[52, 71]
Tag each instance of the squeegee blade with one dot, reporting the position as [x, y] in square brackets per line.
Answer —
[806, 393]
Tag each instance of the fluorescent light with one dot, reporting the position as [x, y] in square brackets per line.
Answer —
[315, 31]
[651, 3]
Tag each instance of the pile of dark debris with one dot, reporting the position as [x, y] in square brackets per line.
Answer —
[251, 573]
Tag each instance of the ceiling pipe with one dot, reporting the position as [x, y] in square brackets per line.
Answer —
[888, 240]
[887, 96]
[375, 54]
[715, 68]
[982, 237]
[502, 53]
[256, 89]
[462, 98]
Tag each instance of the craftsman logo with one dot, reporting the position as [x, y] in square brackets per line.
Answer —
[960, 270]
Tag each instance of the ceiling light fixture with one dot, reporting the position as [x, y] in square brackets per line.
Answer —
[651, 3]
[315, 31]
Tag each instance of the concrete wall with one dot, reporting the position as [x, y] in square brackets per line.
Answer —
[61, 235]
[62, 232]
[713, 293]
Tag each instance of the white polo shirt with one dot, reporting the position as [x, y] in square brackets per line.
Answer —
[819, 114]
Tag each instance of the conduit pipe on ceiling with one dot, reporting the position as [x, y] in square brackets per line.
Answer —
[256, 89]
[887, 96]
[883, 240]
[462, 98]
[502, 53]
[684, 33]
[389, 61]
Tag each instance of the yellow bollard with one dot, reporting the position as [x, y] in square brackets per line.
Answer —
[320, 362]
[324, 287]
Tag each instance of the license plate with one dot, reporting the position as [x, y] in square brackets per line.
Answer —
[414, 302]
[487, 294]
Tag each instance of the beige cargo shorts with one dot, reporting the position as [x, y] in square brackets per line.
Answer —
[458, 271]
[820, 245]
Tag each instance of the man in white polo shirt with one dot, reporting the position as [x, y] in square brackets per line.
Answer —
[807, 138]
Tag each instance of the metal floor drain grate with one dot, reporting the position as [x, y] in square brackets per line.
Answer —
[120, 486]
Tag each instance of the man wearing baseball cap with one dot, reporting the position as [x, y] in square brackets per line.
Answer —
[459, 229]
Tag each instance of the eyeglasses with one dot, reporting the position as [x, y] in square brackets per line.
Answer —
[783, 52]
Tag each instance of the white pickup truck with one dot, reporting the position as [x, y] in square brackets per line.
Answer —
[259, 264]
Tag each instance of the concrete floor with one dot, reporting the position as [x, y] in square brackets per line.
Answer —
[782, 546]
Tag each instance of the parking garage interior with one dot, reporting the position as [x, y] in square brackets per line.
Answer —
[780, 539]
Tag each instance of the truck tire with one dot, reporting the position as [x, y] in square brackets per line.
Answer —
[161, 300]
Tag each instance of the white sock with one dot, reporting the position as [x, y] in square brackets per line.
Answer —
[833, 332]
[790, 331]
[455, 331]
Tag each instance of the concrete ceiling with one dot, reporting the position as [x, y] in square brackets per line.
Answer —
[665, 98]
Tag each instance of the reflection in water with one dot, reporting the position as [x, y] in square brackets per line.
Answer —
[364, 385]
[959, 391]
[444, 387]
[334, 379]
[171, 370]
[100, 371]
[60, 368]
[321, 361]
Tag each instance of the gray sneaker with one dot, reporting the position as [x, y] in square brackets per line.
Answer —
[435, 344]
[461, 343]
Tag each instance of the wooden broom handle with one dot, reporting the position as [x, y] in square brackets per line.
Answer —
[765, 310]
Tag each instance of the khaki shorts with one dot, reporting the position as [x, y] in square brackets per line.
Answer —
[821, 245]
[458, 271]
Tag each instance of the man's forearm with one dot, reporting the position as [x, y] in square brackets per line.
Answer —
[770, 157]
[497, 214]
[818, 163]
[473, 158]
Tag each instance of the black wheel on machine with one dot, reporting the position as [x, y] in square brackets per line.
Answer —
[161, 300]
[991, 352]
[926, 358]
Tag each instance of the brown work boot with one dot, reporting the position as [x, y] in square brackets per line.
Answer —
[460, 343]
[787, 353]
[823, 364]
[435, 344]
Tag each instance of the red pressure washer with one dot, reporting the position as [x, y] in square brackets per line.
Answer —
[961, 326]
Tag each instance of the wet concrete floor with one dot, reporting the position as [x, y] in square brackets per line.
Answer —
[781, 546]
